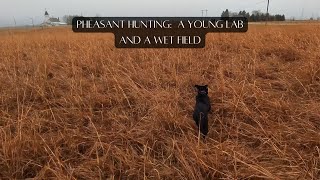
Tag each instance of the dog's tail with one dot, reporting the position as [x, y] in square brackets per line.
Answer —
[203, 125]
[199, 128]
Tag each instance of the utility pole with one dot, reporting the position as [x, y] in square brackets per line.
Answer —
[15, 23]
[267, 12]
[32, 21]
[302, 13]
[204, 10]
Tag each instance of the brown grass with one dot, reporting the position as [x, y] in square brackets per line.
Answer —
[74, 107]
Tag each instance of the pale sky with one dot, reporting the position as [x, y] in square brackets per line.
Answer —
[23, 10]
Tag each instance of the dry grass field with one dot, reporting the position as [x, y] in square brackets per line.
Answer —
[74, 107]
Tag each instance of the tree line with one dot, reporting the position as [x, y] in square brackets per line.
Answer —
[255, 16]
[68, 18]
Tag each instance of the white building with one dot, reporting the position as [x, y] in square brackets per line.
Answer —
[51, 21]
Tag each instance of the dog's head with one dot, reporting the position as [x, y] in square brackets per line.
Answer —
[203, 90]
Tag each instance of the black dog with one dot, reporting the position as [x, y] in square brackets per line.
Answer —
[202, 108]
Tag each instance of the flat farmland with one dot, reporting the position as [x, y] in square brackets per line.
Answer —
[72, 106]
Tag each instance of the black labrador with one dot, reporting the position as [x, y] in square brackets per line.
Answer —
[202, 108]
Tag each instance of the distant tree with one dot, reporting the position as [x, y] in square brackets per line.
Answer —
[253, 18]
[258, 18]
[247, 15]
[256, 12]
[283, 17]
[233, 14]
[240, 13]
[68, 18]
[243, 14]
[225, 13]
[279, 17]
[263, 17]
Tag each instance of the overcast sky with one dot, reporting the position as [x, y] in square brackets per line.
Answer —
[23, 10]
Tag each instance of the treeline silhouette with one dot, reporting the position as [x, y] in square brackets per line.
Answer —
[68, 18]
[255, 16]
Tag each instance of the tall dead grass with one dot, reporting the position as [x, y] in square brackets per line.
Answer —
[74, 107]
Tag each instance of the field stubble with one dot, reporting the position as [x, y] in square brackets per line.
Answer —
[74, 107]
